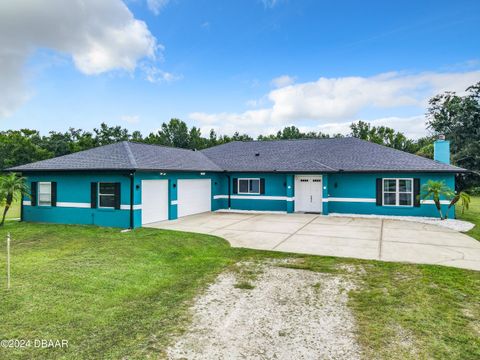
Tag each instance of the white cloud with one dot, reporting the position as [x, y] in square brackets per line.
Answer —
[13, 92]
[269, 4]
[99, 36]
[336, 102]
[252, 103]
[130, 119]
[156, 6]
[282, 81]
[155, 75]
[412, 126]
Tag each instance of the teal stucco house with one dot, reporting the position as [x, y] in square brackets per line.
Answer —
[130, 184]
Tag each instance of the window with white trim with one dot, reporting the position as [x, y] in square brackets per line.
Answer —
[106, 195]
[249, 186]
[44, 194]
[398, 192]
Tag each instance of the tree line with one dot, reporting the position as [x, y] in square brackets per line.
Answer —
[455, 116]
[27, 145]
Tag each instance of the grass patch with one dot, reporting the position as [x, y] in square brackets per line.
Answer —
[110, 294]
[406, 311]
[244, 285]
[472, 215]
[119, 295]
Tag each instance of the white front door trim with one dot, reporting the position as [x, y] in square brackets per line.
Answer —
[308, 193]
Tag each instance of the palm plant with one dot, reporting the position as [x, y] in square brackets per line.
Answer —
[464, 199]
[12, 187]
[435, 190]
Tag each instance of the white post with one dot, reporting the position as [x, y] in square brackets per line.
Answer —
[8, 261]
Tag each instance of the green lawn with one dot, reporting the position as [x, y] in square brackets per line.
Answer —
[472, 215]
[119, 295]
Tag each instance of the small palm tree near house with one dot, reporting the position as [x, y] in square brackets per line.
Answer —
[436, 190]
[464, 199]
[12, 187]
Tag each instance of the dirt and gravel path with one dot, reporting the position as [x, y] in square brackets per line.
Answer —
[288, 314]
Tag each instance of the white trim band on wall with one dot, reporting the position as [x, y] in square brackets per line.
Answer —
[84, 205]
[73, 205]
[286, 198]
[127, 207]
[431, 202]
[325, 200]
[253, 197]
[237, 197]
[339, 199]
[372, 200]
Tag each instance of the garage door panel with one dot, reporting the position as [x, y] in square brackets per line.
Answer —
[194, 196]
[154, 201]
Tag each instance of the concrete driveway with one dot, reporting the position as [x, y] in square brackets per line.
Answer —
[378, 239]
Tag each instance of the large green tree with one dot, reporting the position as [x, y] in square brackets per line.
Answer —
[382, 135]
[292, 132]
[24, 146]
[424, 147]
[458, 118]
[175, 133]
[81, 140]
[110, 134]
[20, 147]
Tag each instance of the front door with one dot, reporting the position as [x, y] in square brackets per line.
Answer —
[308, 193]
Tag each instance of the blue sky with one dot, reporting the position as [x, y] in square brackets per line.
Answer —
[251, 65]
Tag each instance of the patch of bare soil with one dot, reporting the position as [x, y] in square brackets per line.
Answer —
[285, 314]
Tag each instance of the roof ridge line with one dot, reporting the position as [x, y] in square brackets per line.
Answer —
[163, 146]
[325, 165]
[132, 159]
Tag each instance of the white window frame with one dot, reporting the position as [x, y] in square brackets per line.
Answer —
[100, 194]
[397, 192]
[39, 193]
[248, 192]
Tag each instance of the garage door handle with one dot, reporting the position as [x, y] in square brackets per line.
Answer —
[310, 198]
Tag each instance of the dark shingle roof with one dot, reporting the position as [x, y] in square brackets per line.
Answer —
[313, 155]
[126, 156]
[319, 155]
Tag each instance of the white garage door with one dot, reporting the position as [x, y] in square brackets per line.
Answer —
[194, 196]
[154, 201]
